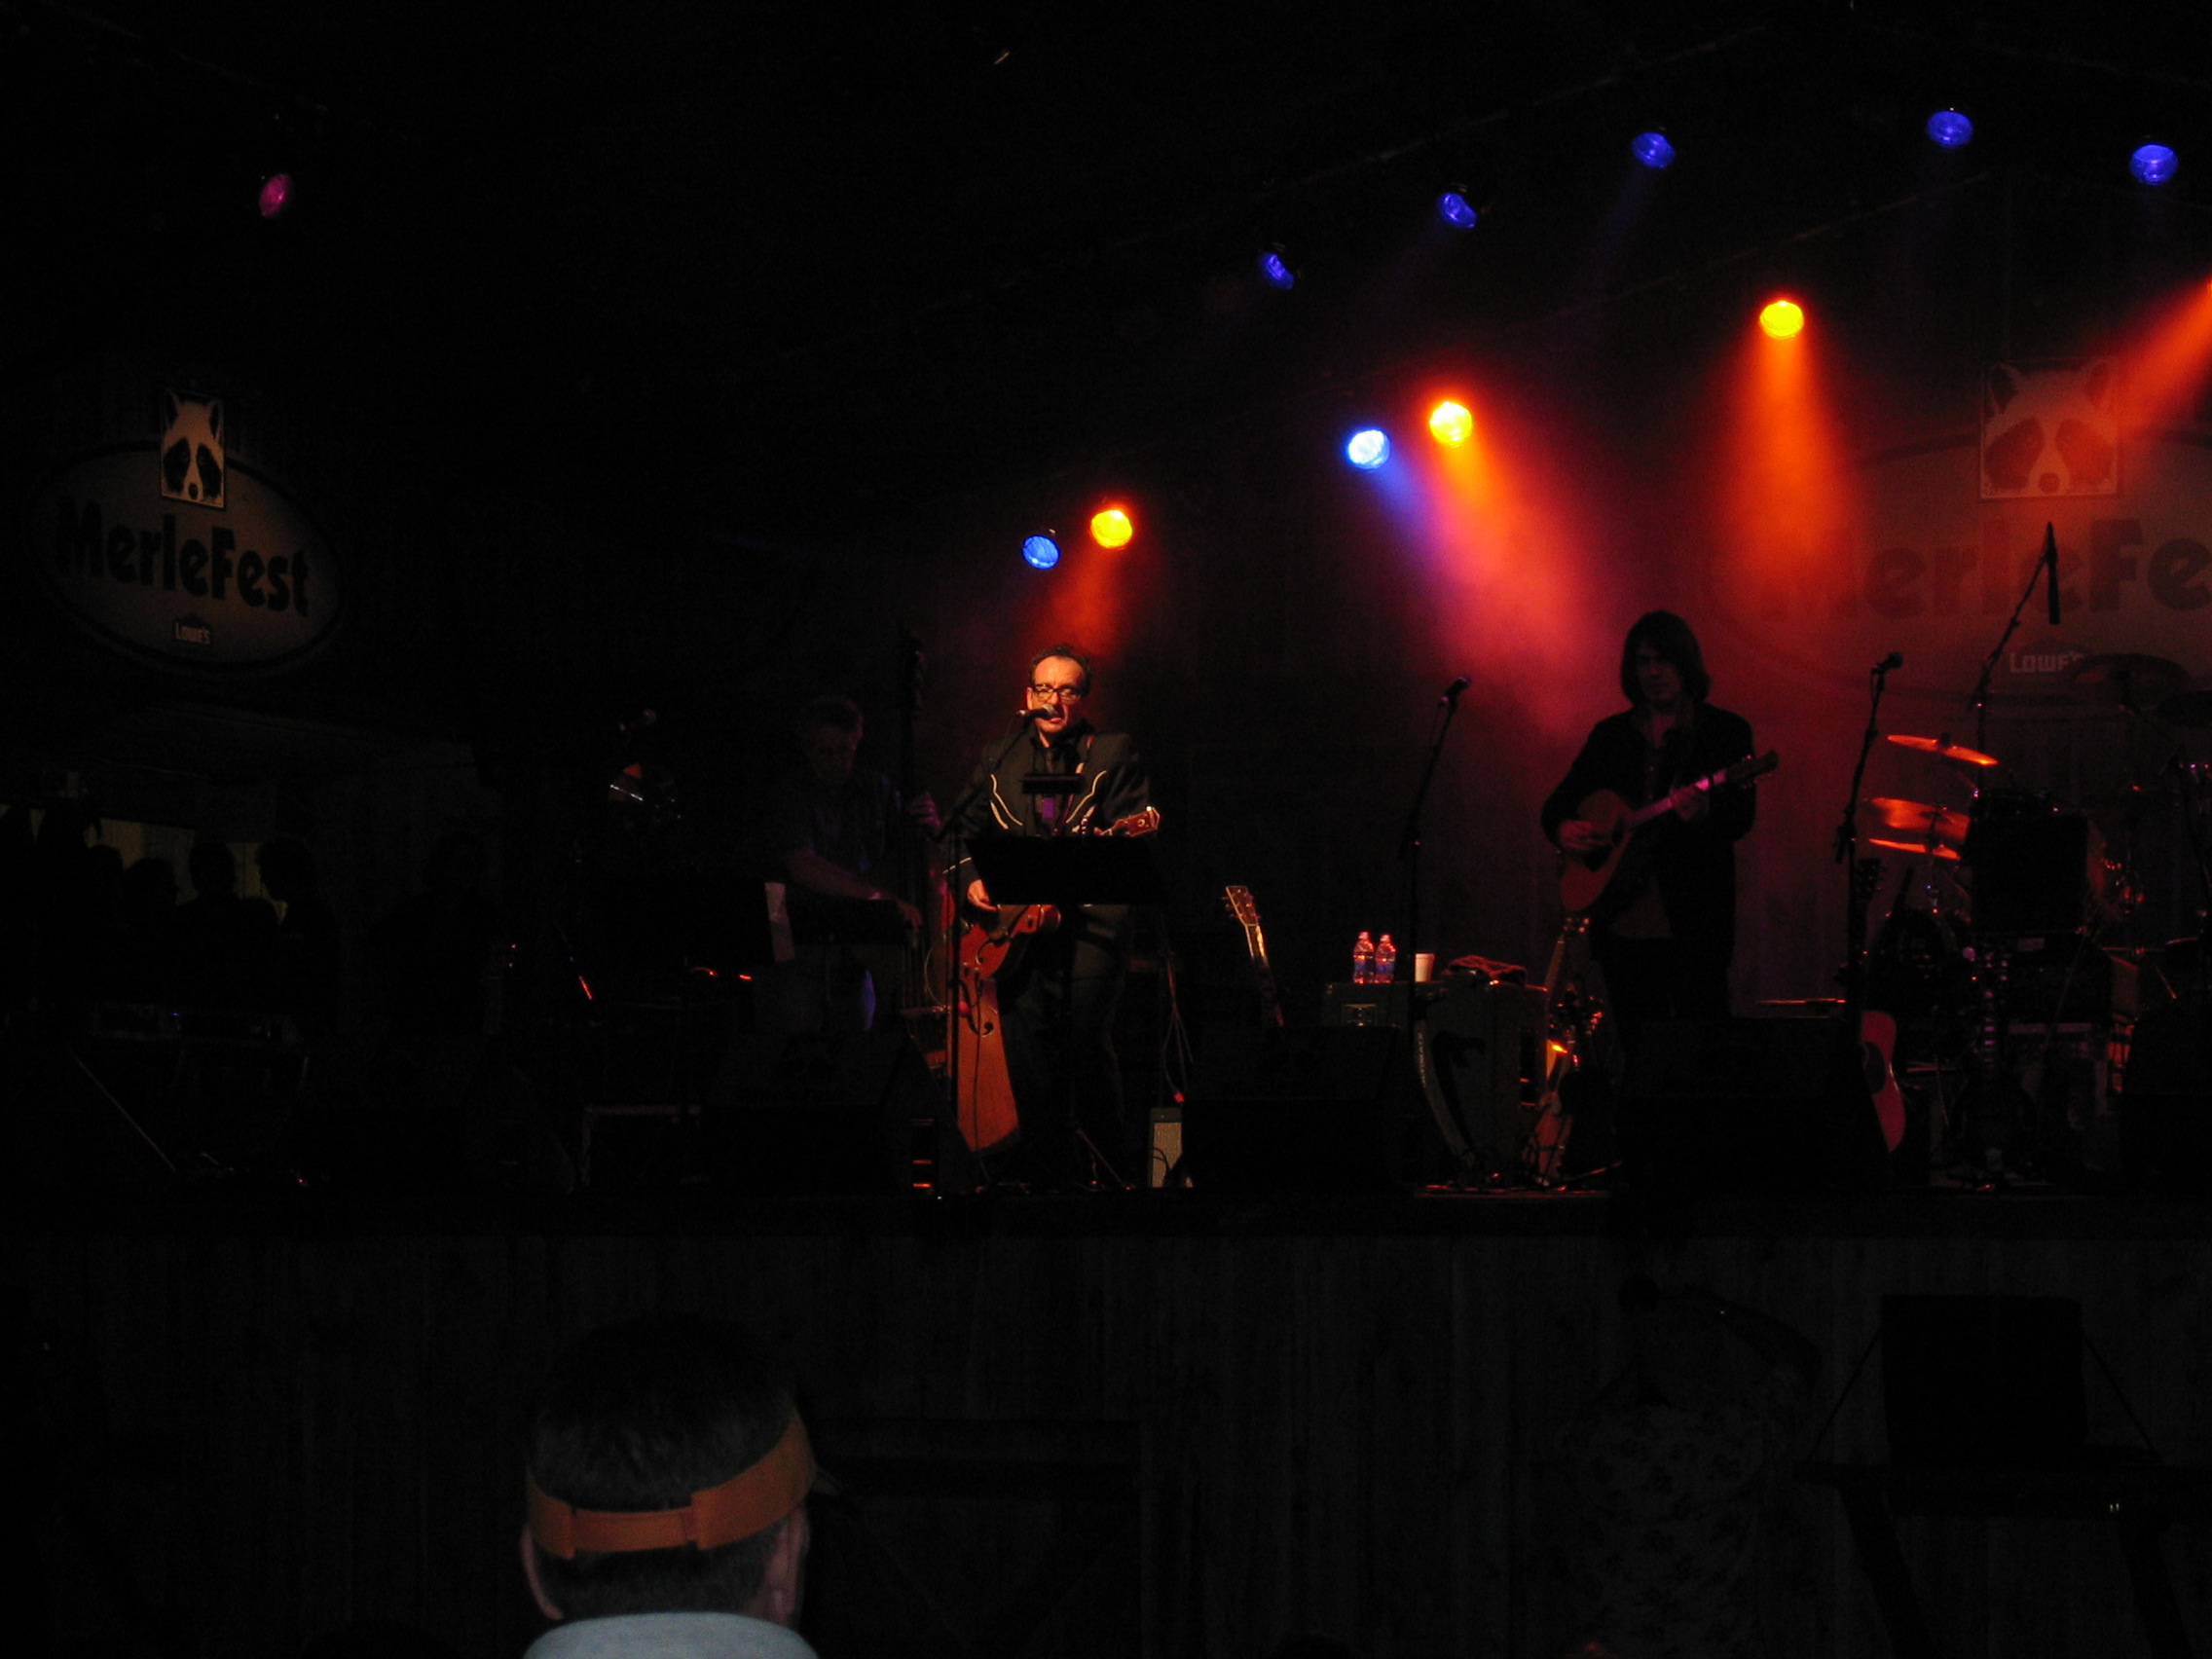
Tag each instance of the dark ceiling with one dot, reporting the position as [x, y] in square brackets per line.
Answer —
[790, 256]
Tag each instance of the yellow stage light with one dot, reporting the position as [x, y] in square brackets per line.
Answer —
[1110, 526]
[1783, 320]
[1450, 423]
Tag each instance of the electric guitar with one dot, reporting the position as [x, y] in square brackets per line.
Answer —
[1583, 877]
[1247, 914]
[987, 948]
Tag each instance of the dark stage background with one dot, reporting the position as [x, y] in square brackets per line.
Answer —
[685, 359]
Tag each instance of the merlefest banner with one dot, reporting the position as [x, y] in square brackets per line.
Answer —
[172, 547]
[1946, 534]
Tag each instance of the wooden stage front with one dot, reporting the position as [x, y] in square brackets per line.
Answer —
[1169, 1424]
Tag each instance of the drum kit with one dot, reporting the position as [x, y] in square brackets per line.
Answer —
[2001, 919]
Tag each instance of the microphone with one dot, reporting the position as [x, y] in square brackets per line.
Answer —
[1028, 714]
[1451, 697]
[1896, 659]
[2051, 564]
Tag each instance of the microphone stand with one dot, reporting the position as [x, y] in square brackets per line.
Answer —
[1858, 888]
[1981, 703]
[1409, 838]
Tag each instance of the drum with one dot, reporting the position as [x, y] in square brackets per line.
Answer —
[2030, 863]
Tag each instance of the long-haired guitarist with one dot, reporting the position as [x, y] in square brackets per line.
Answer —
[1057, 993]
[1663, 921]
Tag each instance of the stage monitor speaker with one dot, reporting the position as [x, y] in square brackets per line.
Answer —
[1749, 1105]
[1484, 1049]
[1304, 1109]
[1983, 1381]
[815, 1114]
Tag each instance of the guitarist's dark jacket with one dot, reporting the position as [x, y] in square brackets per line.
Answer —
[1694, 865]
[1111, 787]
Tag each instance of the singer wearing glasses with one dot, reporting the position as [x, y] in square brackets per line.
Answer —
[1058, 993]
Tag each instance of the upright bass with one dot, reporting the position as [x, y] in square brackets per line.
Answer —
[956, 1022]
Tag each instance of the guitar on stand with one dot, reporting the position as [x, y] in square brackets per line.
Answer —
[1581, 1049]
[1247, 913]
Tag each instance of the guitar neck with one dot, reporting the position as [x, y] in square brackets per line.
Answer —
[1646, 813]
[1735, 772]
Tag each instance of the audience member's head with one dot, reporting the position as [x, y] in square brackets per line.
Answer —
[149, 890]
[214, 870]
[288, 869]
[667, 1472]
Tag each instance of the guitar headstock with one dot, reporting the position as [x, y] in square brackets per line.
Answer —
[1240, 905]
[1755, 766]
[1142, 823]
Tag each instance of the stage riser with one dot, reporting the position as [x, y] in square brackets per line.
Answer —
[1349, 1425]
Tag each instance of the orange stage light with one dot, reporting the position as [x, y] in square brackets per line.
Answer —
[1450, 423]
[1111, 526]
[1783, 320]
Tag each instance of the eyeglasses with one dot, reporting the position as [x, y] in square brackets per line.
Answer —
[1056, 693]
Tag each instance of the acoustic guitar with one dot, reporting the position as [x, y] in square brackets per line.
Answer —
[1583, 877]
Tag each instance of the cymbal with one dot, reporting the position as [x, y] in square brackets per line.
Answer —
[1941, 826]
[1920, 849]
[2130, 678]
[1944, 748]
[2188, 708]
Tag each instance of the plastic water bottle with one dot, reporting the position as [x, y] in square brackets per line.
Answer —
[1363, 960]
[1385, 961]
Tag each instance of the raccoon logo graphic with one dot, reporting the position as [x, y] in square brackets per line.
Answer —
[2050, 429]
[193, 464]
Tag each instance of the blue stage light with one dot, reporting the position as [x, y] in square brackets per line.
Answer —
[1454, 208]
[1368, 449]
[1654, 149]
[1276, 270]
[1040, 552]
[1952, 129]
[2154, 163]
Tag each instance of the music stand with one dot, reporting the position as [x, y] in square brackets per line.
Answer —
[1068, 873]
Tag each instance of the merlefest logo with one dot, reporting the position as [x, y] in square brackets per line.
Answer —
[177, 551]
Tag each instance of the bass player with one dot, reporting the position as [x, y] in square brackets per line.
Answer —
[1663, 928]
[1058, 993]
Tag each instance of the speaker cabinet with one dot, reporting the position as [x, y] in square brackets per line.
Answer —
[817, 1113]
[1305, 1109]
